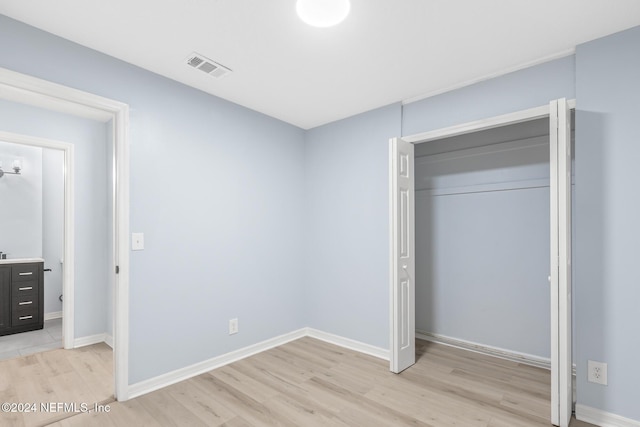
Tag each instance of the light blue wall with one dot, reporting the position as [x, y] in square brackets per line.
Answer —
[347, 225]
[20, 200]
[53, 226]
[218, 191]
[607, 211]
[91, 214]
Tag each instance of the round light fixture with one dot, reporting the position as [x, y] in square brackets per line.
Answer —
[323, 13]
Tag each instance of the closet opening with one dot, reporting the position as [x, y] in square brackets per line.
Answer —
[479, 212]
[482, 241]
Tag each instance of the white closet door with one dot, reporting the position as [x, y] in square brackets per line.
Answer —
[402, 268]
[561, 359]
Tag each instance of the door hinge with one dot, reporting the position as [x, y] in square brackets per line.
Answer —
[117, 269]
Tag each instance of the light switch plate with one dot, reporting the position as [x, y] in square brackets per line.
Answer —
[137, 241]
[233, 326]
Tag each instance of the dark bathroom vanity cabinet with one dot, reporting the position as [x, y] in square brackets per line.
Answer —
[21, 297]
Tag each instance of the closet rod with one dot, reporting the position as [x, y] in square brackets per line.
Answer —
[453, 193]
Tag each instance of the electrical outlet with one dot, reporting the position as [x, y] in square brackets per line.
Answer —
[233, 326]
[597, 372]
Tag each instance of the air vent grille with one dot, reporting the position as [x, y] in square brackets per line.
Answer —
[195, 61]
[208, 66]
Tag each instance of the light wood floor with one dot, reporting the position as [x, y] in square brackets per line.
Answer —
[308, 382]
[78, 376]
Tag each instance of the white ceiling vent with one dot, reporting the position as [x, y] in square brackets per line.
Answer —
[208, 66]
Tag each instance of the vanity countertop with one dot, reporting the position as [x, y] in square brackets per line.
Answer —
[20, 260]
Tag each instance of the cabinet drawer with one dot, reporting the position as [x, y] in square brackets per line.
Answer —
[25, 272]
[24, 288]
[24, 317]
[25, 303]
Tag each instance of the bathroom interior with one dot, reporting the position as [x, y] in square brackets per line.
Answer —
[31, 234]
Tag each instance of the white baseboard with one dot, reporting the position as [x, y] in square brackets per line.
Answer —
[602, 418]
[187, 372]
[53, 315]
[93, 339]
[89, 340]
[502, 353]
[380, 353]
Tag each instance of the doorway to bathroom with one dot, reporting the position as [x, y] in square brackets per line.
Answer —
[31, 233]
[113, 115]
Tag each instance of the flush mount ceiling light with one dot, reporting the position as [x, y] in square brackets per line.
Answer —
[323, 13]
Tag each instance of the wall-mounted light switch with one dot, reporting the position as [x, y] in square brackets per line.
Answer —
[137, 241]
[233, 326]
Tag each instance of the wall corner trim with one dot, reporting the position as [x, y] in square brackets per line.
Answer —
[53, 315]
[348, 343]
[602, 418]
[89, 340]
[164, 380]
[492, 75]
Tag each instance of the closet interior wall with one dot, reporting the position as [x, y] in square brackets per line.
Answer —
[482, 238]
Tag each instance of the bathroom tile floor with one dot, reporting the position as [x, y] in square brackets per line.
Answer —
[26, 343]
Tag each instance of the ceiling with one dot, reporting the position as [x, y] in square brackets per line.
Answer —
[386, 51]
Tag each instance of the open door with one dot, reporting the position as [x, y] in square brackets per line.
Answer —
[402, 268]
[560, 278]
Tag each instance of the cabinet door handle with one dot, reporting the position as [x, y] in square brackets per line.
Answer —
[26, 288]
[26, 274]
[25, 317]
[25, 303]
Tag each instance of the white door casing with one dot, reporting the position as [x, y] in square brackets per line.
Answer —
[553, 264]
[402, 244]
[560, 283]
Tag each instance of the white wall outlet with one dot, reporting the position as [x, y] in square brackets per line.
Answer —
[233, 326]
[597, 372]
[137, 241]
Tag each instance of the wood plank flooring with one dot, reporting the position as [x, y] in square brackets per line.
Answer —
[78, 376]
[311, 383]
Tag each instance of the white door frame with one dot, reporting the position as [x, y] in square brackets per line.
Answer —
[44, 94]
[563, 346]
[560, 289]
